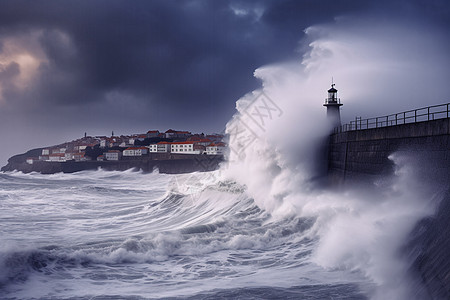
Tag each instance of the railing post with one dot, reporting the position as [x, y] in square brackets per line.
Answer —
[395, 119]
[428, 113]
[415, 116]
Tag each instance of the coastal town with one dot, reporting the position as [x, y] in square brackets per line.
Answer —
[136, 146]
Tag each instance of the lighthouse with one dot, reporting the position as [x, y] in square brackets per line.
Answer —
[333, 104]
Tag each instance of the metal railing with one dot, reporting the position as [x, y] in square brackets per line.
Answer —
[334, 101]
[429, 113]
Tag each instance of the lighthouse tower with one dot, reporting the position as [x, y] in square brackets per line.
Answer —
[333, 104]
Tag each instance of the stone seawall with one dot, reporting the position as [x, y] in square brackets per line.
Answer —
[356, 155]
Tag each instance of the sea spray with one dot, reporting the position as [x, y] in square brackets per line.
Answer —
[280, 162]
[366, 230]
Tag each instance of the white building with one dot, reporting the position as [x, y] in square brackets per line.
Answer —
[58, 150]
[57, 157]
[104, 143]
[183, 148]
[45, 152]
[135, 151]
[215, 149]
[129, 152]
[112, 155]
[79, 156]
[160, 147]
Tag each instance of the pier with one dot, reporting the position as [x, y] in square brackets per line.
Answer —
[361, 148]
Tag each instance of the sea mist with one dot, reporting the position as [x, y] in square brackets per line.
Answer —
[277, 133]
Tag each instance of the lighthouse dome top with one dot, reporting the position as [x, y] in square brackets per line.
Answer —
[332, 90]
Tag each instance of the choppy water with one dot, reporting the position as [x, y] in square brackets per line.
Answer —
[127, 235]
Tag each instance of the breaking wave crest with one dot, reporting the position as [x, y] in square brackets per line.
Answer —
[278, 137]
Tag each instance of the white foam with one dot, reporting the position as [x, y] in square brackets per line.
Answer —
[357, 231]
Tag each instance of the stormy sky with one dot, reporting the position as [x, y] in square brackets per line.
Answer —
[70, 67]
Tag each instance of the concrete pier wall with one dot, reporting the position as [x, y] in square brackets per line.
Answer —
[362, 154]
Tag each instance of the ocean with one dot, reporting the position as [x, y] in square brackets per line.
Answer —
[130, 235]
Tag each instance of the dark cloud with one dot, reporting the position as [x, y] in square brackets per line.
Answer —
[159, 62]
[9, 71]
